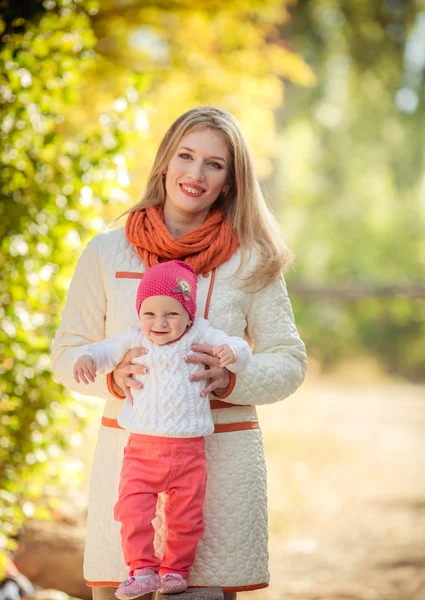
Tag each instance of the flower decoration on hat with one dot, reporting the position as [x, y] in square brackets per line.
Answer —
[184, 288]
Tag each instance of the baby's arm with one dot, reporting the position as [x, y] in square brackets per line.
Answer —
[234, 352]
[104, 356]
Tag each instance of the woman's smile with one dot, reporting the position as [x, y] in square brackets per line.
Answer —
[191, 190]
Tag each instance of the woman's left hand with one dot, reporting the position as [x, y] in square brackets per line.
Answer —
[219, 378]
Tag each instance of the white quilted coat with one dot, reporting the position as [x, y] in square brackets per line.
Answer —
[232, 553]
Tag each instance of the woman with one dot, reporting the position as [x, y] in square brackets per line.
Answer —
[202, 204]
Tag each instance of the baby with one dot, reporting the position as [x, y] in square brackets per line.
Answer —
[167, 420]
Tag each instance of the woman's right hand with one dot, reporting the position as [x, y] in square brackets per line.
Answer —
[122, 375]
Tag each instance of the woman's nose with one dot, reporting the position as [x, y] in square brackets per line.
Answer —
[196, 171]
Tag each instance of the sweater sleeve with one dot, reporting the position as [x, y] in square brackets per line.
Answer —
[279, 359]
[83, 322]
[216, 337]
[109, 353]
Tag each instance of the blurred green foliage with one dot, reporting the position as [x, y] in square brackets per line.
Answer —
[87, 95]
[352, 167]
[53, 182]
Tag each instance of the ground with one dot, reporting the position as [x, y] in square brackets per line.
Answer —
[346, 470]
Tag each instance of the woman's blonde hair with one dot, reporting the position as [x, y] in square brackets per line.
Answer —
[243, 204]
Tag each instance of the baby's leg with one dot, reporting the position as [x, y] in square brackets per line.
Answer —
[184, 508]
[143, 476]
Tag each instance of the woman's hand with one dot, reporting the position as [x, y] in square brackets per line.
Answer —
[218, 377]
[122, 375]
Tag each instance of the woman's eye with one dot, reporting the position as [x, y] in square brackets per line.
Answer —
[185, 155]
[215, 165]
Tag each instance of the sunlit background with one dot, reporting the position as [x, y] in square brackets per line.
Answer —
[330, 95]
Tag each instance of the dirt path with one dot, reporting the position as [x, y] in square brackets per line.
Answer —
[346, 466]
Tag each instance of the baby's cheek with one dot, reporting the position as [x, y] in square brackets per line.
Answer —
[145, 329]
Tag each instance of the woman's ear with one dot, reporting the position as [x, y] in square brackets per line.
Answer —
[225, 189]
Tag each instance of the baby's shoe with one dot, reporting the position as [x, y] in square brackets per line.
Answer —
[173, 583]
[142, 582]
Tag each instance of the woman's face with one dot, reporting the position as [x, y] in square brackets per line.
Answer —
[197, 173]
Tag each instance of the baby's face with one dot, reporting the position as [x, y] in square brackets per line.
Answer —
[163, 319]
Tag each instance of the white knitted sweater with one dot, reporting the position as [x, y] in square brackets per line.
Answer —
[169, 405]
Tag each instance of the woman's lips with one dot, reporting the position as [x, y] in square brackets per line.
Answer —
[193, 191]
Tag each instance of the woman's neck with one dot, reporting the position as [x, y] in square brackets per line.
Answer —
[178, 224]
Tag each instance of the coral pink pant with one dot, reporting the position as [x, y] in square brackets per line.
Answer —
[152, 465]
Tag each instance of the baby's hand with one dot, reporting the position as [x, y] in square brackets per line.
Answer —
[225, 354]
[85, 370]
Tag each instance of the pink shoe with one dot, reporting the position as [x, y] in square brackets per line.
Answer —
[137, 585]
[173, 583]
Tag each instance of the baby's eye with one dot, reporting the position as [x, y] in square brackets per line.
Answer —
[173, 314]
[148, 314]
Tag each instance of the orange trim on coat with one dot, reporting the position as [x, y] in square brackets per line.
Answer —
[107, 422]
[210, 289]
[229, 390]
[111, 387]
[242, 426]
[218, 404]
[218, 428]
[128, 275]
[232, 381]
[241, 588]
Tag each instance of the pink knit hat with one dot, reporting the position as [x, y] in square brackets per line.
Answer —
[174, 278]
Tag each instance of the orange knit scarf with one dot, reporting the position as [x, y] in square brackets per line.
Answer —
[205, 248]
